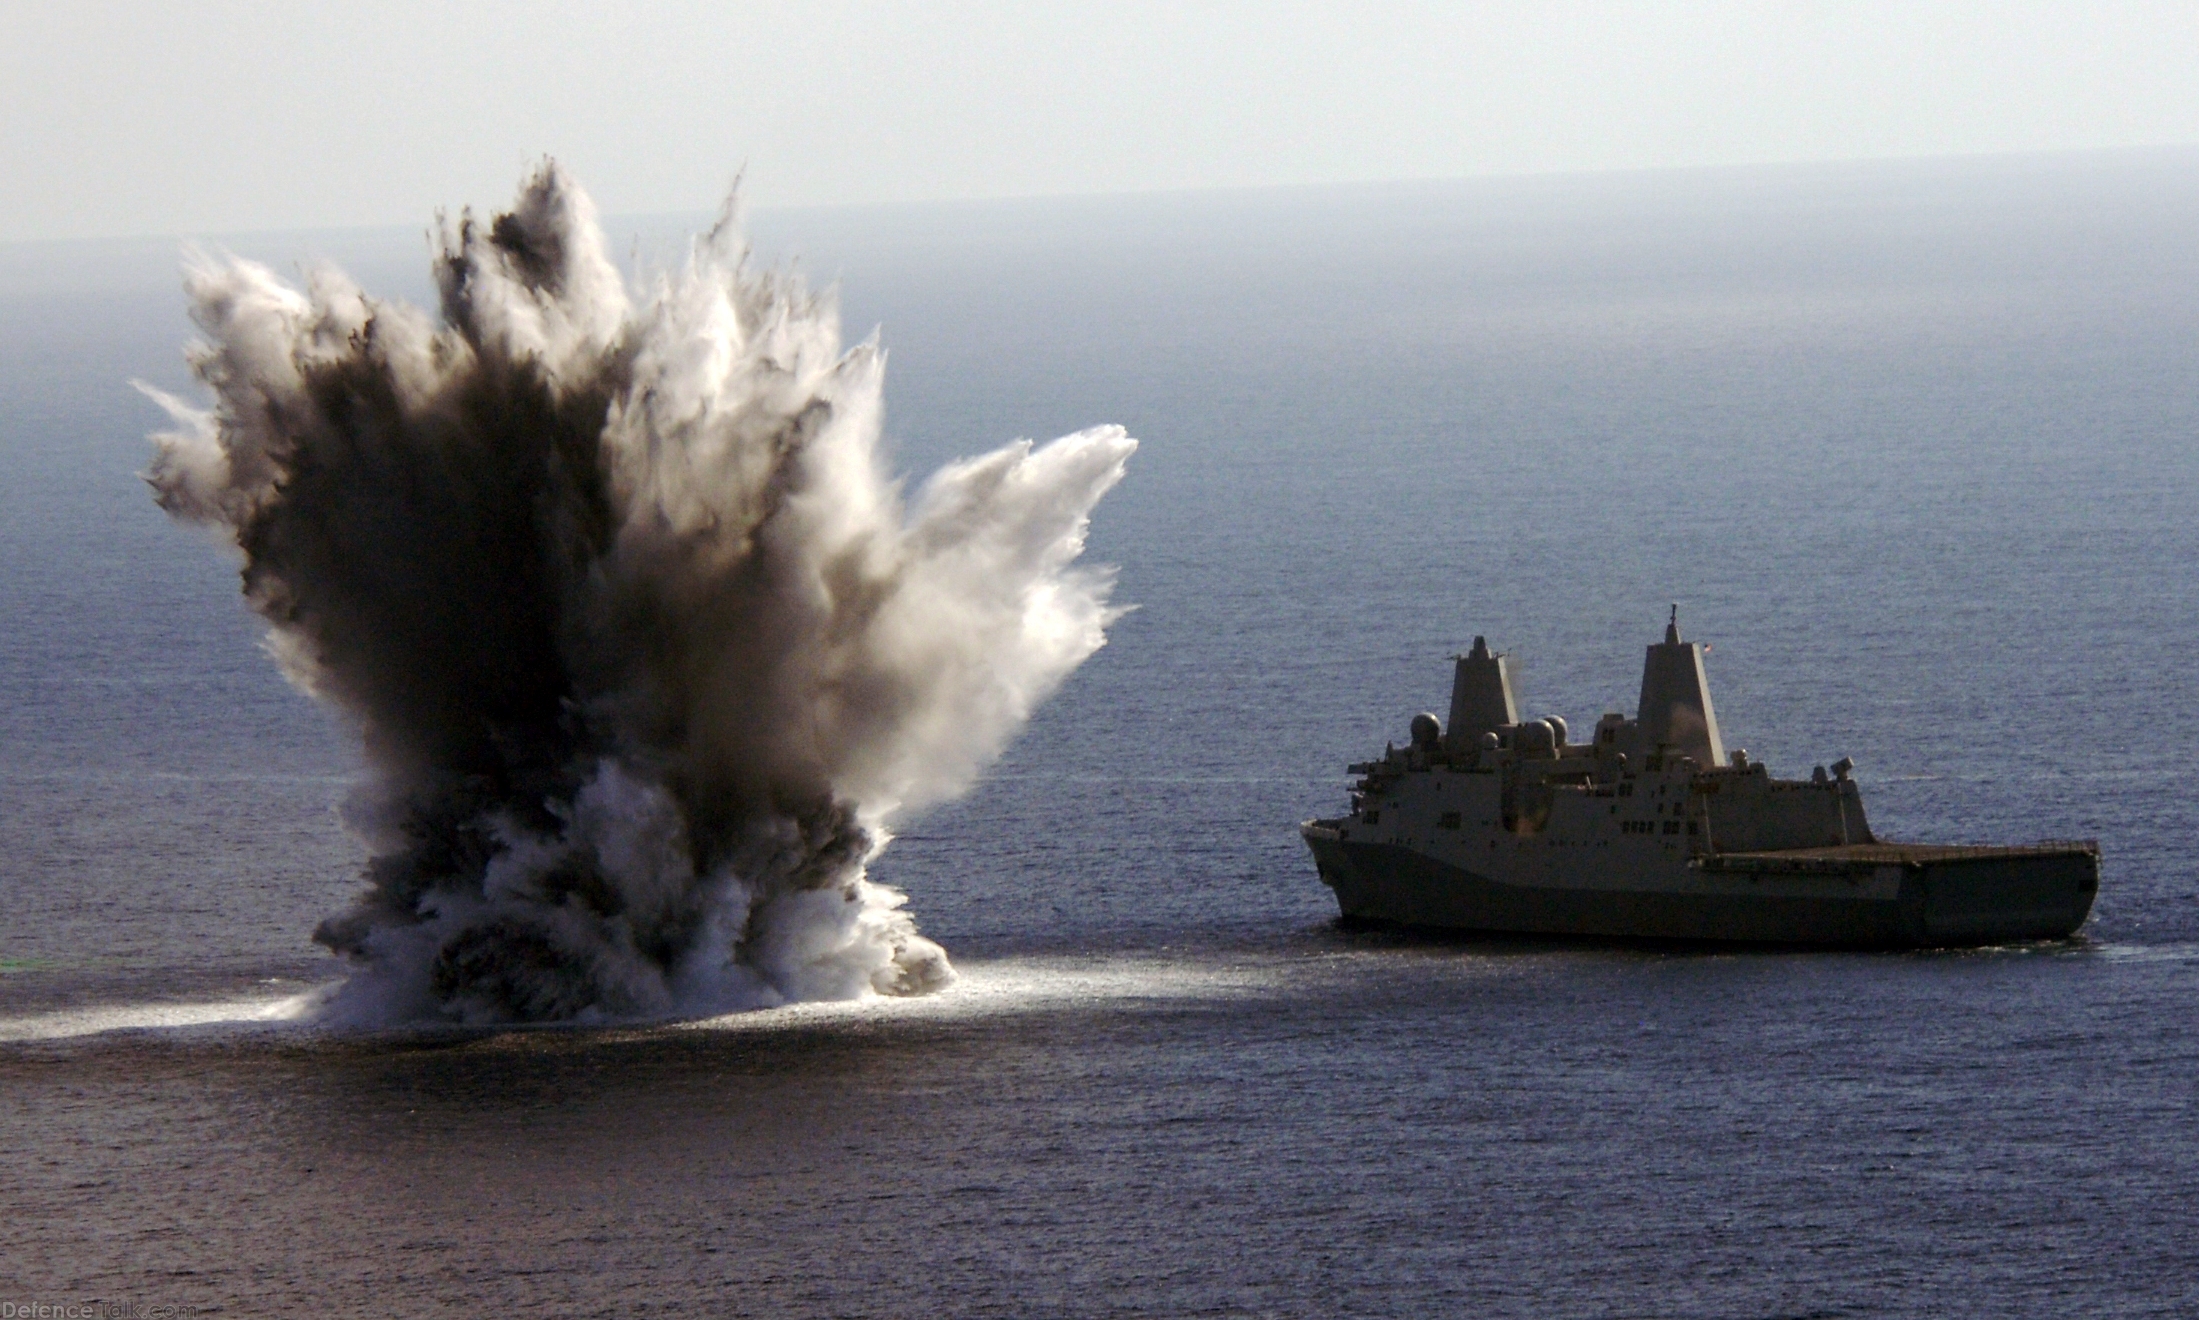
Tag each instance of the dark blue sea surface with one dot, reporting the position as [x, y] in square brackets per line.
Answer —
[1912, 445]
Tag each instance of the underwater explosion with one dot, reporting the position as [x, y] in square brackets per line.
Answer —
[644, 645]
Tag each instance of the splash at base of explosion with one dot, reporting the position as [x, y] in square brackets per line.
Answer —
[510, 952]
[645, 648]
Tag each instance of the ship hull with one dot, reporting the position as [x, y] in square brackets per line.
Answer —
[1879, 896]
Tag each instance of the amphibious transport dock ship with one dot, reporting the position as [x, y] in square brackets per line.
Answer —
[1649, 830]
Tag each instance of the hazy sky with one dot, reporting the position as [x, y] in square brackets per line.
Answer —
[181, 117]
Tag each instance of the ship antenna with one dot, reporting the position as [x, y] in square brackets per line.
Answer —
[1672, 629]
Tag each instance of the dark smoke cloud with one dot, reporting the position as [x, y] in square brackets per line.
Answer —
[645, 647]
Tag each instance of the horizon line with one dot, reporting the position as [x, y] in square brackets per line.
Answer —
[747, 207]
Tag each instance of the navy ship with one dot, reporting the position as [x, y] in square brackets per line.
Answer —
[1648, 830]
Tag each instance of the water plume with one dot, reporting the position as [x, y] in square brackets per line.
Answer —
[646, 648]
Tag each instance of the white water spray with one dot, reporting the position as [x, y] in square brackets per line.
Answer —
[644, 645]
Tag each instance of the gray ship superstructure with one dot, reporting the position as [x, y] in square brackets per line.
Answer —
[1649, 830]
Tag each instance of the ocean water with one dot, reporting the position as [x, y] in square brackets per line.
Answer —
[1911, 444]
